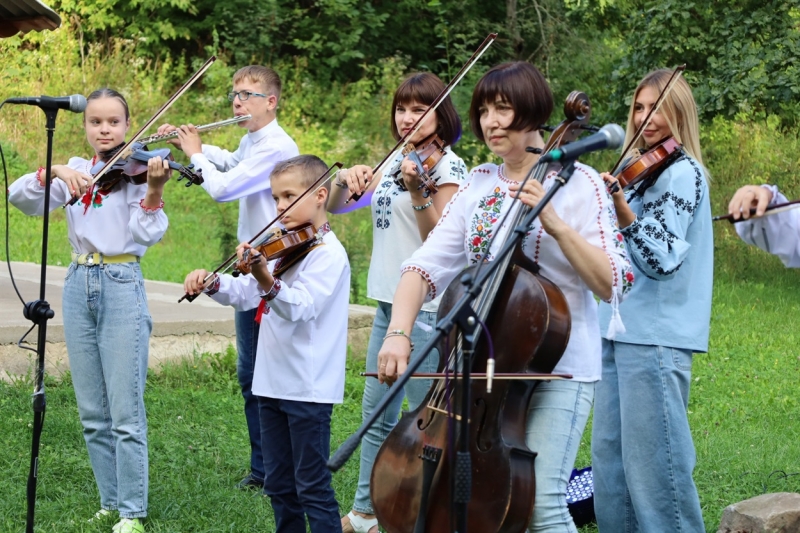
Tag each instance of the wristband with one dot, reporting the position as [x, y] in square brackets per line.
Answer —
[399, 333]
[422, 207]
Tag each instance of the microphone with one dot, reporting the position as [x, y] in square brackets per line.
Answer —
[75, 103]
[610, 136]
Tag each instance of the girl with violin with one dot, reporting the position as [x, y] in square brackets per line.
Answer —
[777, 233]
[642, 450]
[573, 243]
[403, 213]
[106, 321]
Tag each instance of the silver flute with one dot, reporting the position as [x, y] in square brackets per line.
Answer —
[206, 127]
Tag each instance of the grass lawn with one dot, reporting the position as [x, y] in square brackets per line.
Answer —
[744, 413]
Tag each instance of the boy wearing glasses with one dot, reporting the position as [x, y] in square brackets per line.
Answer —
[244, 175]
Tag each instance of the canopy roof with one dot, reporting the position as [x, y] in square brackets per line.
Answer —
[26, 15]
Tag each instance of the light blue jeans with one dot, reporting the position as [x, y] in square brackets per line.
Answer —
[557, 416]
[642, 450]
[415, 390]
[107, 328]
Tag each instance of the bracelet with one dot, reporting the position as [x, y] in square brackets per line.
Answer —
[399, 333]
[339, 183]
[422, 207]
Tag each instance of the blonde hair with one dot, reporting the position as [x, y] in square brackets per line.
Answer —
[678, 109]
[263, 75]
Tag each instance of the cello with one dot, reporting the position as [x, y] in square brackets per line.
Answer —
[527, 327]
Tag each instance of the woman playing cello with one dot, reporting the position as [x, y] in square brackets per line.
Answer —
[574, 243]
[642, 450]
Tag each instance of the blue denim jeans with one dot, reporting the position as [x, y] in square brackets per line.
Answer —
[297, 443]
[246, 341]
[642, 450]
[415, 390]
[107, 329]
[557, 416]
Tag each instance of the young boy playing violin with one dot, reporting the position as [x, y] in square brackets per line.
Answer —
[244, 175]
[302, 304]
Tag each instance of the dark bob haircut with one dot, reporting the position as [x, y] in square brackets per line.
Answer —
[424, 87]
[519, 84]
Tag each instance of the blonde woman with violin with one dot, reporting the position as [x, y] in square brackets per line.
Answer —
[777, 233]
[106, 321]
[642, 450]
[403, 213]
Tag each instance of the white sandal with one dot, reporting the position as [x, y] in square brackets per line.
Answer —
[359, 524]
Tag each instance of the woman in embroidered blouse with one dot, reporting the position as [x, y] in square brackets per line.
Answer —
[574, 242]
[402, 218]
[642, 449]
[106, 321]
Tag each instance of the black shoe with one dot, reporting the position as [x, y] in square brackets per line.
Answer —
[250, 482]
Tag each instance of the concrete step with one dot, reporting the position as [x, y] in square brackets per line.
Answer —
[179, 330]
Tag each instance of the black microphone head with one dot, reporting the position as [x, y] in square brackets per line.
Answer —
[77, 103]
[615, 135]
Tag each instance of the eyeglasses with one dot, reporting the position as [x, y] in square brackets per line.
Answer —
[243, 95]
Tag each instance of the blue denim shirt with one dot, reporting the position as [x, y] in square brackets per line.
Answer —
[671, 247]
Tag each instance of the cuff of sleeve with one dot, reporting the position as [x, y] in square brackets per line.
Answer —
[273, 292]
[151, 210]
[776, 195]
[632, 229]
[40, 176]
[214, 287]
[427, 277]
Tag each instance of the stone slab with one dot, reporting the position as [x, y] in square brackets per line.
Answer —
[769, 513]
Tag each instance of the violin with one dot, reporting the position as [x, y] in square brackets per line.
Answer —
[133, 169]
[430, 152]
[527, 317]
[285, 247]
[281, 244]
[659, 156]
[405, 139]
[126, 151]
[649, 163]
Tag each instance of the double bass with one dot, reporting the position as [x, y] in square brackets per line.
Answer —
[527, 324]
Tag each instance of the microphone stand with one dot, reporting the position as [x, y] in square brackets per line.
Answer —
[463, 315]
[39, 312]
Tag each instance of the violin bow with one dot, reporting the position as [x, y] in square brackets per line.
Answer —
[661, 97]
[125, 150]
[404, 140]
[319, 182]
[771, 210]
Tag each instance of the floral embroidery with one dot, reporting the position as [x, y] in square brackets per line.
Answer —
[483, 222]
[627, 278]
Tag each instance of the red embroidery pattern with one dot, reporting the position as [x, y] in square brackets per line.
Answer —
[483, 222]
[421, 272]
[150, 210]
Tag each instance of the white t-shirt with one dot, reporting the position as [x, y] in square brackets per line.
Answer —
[302, 342]
[111, 223]
[244, 175]
[395, 234]
[474, 215]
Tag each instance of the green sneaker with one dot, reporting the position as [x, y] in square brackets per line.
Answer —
[128, 525]
[100, 515]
